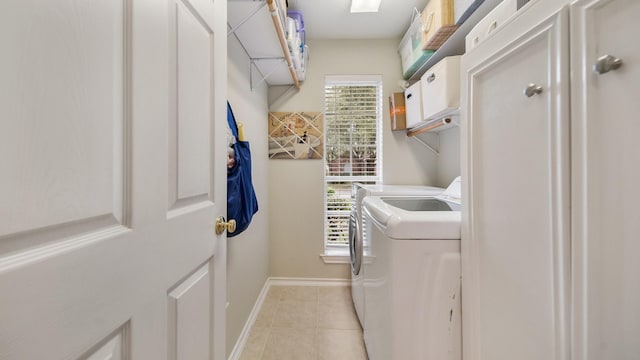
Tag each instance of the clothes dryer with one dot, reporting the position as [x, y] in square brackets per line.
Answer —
[412, 279]
[358, 242]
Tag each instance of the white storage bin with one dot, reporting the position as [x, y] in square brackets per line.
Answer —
[413, 105]
[441, 88]
[486, 27]
[291, 32]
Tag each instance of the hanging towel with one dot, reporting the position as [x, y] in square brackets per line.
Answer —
[241, 198]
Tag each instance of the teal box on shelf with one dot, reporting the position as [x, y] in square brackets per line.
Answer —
[419, 61]
[410, 49]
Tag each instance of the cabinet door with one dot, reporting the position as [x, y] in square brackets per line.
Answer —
[606, 176]
[515, 167]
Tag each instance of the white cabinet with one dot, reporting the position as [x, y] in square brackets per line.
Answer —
[516, 171]
[605, 180]
[549, 162]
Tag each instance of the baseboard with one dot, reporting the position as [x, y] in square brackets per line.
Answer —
[244, 334]
[286, 281]
[276, 281]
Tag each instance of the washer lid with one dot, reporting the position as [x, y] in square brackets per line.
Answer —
[383, 189]
[453, 194]
[414, 218]
[420, 203]
[363, 190]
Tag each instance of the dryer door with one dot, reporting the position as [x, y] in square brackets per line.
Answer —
[355, 243]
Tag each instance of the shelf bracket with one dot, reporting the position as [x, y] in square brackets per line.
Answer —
[233, 30]
[427, 145]
[263, 77]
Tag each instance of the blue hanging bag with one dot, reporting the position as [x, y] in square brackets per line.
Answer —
[241, 197]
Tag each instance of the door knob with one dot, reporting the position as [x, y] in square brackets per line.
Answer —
[532, 89]
[222, 225]
[606, 63]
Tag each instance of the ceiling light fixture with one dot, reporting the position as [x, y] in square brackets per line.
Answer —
[360, 6]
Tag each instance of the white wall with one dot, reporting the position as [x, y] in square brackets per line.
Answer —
[248, 253]
[449, 158]
[296, 187]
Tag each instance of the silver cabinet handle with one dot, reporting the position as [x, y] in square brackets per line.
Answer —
[532, 89]
[606, 63]
[431, 77]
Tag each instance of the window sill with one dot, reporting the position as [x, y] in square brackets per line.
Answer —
[336, 257]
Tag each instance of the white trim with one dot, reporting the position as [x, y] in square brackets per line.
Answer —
[336, 236]
[353, 79]
[335, 259]
[276, 281]
[287, 281]
[38, 254]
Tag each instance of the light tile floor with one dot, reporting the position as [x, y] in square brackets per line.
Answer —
[306, 323]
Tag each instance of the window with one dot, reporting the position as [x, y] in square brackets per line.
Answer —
[353, 148]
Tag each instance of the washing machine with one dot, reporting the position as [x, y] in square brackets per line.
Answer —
[412, 277]
[358, 242]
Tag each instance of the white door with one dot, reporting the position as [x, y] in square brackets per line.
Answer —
[606, 176]
[515, 244]
[112, 161]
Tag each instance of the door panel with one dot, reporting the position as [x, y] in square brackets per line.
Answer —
[113, 348]
[189, 307]
[62, 137]
[192, 71]
[194, 110]
[516, 219]
[606, 177]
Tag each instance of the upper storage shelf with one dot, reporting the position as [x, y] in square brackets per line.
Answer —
[258, 25]
[455, 45]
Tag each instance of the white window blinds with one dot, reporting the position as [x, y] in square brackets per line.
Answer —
[353, 116]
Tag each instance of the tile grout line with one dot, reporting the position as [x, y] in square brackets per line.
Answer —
[280, 300]
[317, 332]
[264, 346]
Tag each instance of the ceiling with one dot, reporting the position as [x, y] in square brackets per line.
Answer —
[331, 19]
